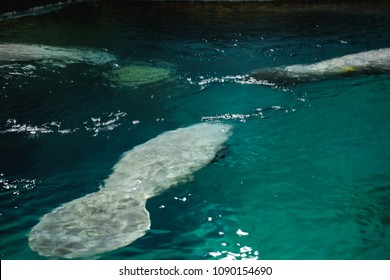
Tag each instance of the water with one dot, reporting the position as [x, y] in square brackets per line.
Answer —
[305, 175]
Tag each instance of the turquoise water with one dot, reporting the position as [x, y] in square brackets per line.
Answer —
[306, 174]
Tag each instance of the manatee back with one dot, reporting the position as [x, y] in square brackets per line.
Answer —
[116, 216]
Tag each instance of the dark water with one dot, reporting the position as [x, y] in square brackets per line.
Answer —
[306, 173]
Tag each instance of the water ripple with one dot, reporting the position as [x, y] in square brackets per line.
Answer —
[257, 113]
[204, 82]
[12, 126]
[9, 71]
[107, 122]
[16, 185]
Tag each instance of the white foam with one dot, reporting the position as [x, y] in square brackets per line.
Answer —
[115, 216]
[204, 82]
[12, 126]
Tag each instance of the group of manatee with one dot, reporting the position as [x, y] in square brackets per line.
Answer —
[115, 216]
[137, 74]
[132, 75]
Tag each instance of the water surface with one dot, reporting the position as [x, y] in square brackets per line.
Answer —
[305, 175]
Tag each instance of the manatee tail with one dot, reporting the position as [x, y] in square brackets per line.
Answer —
[90, 225]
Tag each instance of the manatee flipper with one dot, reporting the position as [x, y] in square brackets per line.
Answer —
[93, 224]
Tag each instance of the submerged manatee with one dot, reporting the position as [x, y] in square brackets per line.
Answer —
[115, 216]
[375, 61]
[139, 74]
[49, 54]
[130, 75]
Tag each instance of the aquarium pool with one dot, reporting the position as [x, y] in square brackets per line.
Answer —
[304, 175]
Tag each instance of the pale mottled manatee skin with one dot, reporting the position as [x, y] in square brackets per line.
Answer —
[370, 62]
[115, 216]
[48, 54]
[137, 74]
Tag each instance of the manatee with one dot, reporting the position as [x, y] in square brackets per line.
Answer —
[115, 215]
[133, 74]
[141, 73]
[370, 62]
[50, 54]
